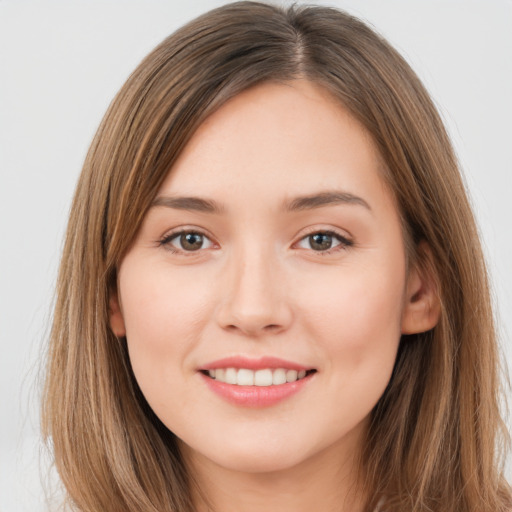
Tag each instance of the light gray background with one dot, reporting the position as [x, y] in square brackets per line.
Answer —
[60, 65]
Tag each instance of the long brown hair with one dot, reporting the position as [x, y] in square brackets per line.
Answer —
[436, 434]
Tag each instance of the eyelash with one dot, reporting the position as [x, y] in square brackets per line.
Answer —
[167, 239]
[344, 242]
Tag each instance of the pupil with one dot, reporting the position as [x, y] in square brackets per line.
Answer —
[191, 241]
[320, 241]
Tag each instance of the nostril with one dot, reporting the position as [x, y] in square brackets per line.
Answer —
[270, 328]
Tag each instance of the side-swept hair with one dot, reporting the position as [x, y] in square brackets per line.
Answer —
[433, 442]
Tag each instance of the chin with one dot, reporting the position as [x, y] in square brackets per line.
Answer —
[246, 458]
[258, 463]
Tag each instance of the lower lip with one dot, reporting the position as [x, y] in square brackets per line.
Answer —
[256, 396]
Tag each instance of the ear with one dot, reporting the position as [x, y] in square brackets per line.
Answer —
[422, 306]
[116, 316]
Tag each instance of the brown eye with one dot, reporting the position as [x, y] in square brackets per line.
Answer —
[320, 241]
[191, 241]
[187, 241]
[324, 241]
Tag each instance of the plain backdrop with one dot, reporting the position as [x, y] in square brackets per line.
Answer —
[61, 64]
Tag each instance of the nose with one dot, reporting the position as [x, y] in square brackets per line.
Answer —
[254, 300]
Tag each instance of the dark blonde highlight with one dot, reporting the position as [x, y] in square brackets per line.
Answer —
[433, 439]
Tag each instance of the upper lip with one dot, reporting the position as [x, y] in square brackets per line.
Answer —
[254, 363]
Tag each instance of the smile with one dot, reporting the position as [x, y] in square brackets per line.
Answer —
[263, 382]
[263, 377]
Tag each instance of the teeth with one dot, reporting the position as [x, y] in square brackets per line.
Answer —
[245, 377]
[265, 377]
[291, 375]
[231, 376]
[279, 376]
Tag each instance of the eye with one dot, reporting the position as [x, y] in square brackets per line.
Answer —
[324, 241]
[186, 241]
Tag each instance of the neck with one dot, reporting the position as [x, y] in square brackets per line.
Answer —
[324, 482]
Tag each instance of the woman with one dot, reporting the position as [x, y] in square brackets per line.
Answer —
[272, 293]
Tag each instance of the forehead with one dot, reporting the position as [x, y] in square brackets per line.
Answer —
[275, 141]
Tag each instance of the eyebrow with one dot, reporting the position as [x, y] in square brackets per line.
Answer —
[197, 204]
[321, 199]
[300, 203]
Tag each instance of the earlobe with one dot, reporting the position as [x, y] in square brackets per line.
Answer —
[422, 306]
[116, 316]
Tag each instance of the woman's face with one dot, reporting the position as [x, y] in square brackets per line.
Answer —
[272, 249]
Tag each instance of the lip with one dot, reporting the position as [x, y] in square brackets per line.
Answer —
[254, 364]
[256, 396]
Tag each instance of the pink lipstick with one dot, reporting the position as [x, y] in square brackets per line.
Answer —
[255, 382]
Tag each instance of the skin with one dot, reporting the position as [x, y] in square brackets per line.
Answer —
[258, 286]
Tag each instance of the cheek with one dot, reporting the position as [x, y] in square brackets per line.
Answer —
[357, 334]
[163, 315]
[355, 316]
[155, 300]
